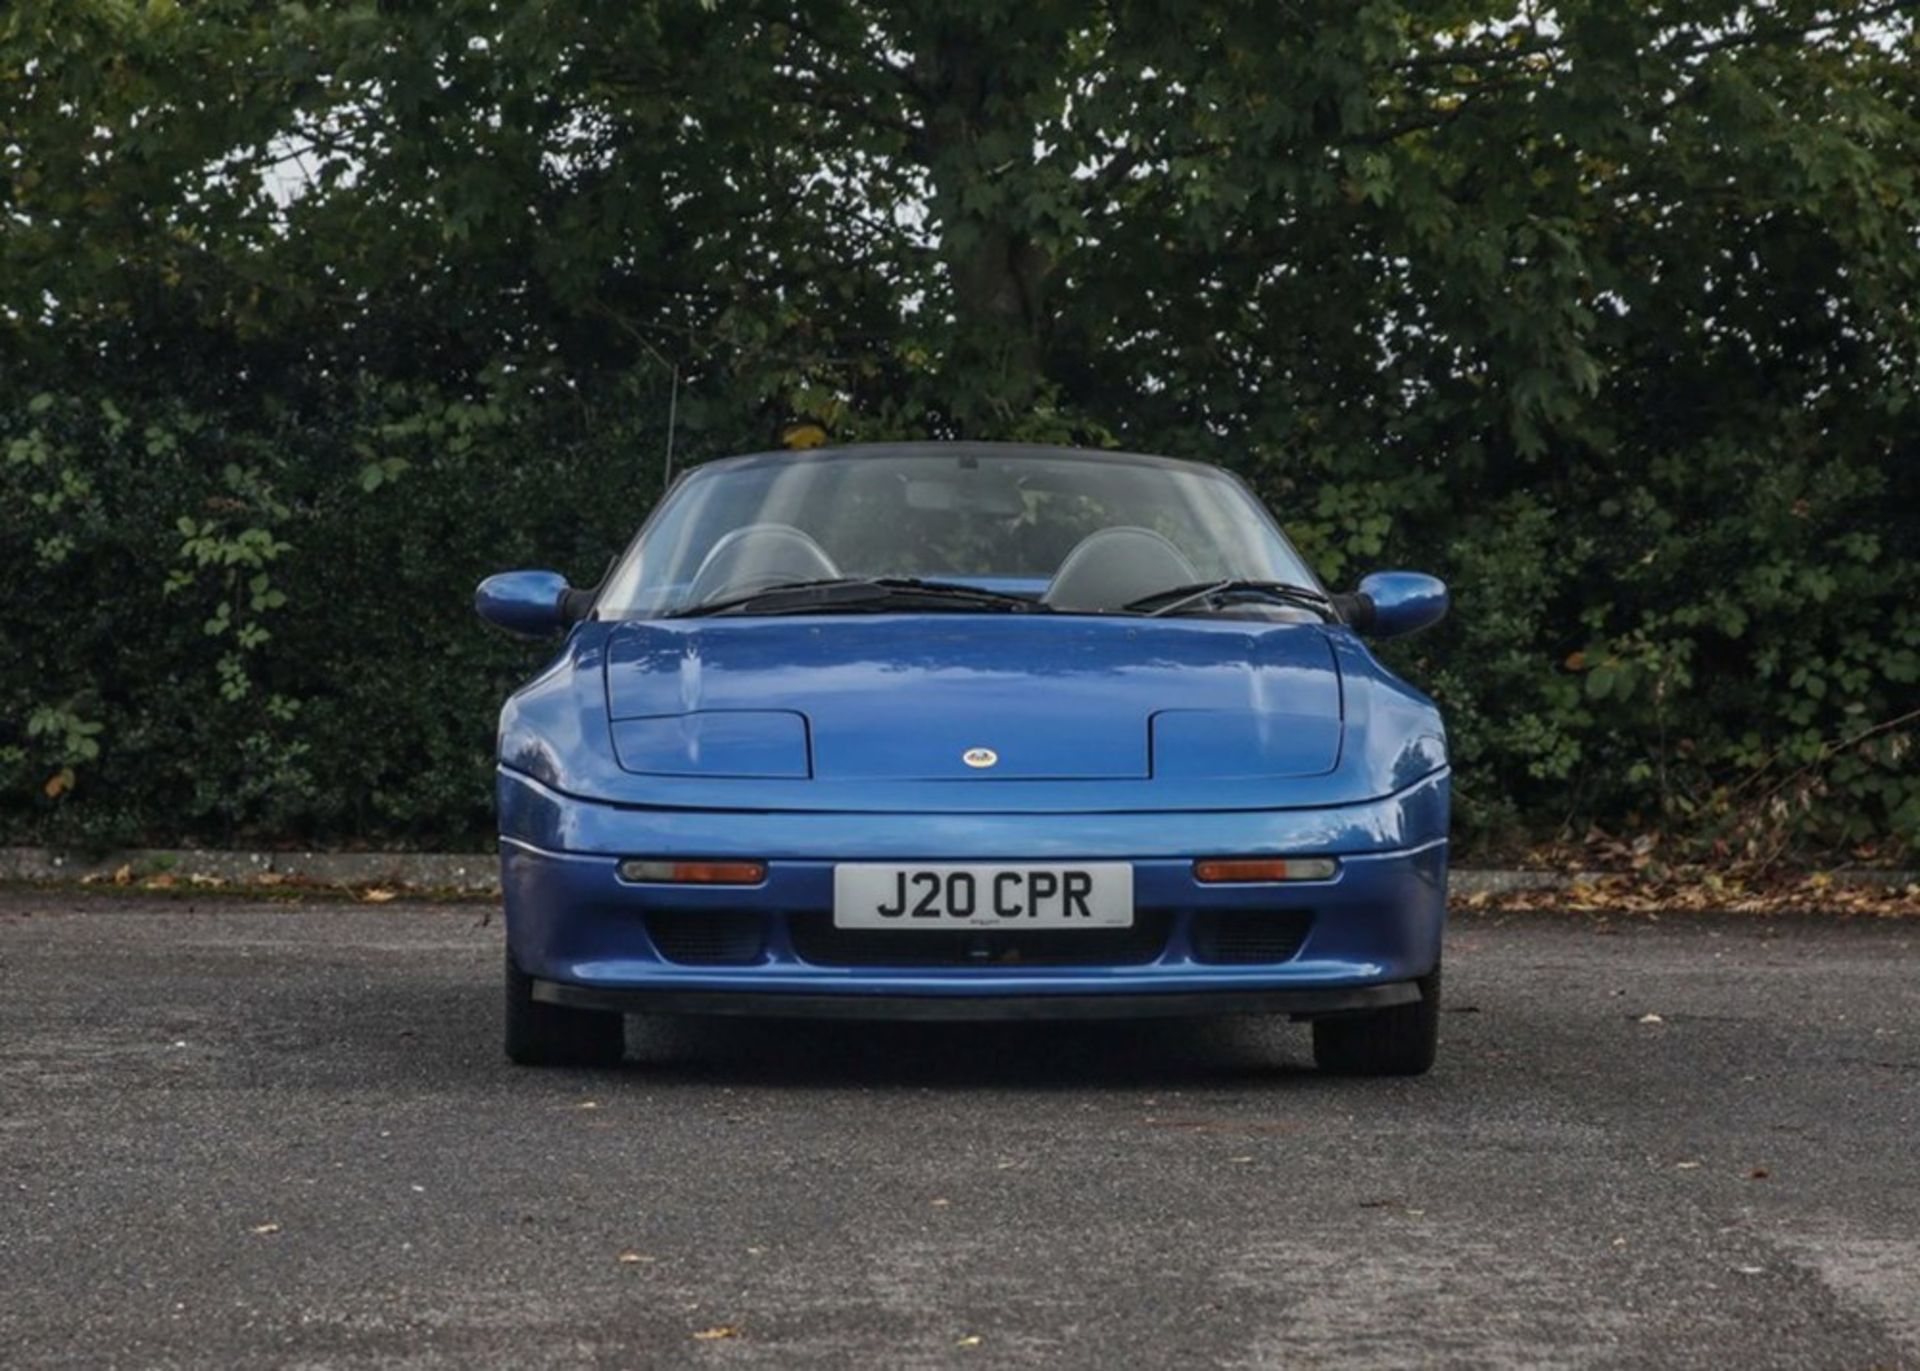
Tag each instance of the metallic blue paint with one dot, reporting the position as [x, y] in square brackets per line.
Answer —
[1364, 779]
[1201, 745]
[802, 741]
[892, 701]
[572, 919]
[1404, 602]
[536, 816]
[766, 744]
[523, 602]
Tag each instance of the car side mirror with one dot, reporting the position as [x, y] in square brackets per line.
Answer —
[1391, 603]
[531, 603]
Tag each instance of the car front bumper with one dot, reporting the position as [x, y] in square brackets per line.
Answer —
[590, 938]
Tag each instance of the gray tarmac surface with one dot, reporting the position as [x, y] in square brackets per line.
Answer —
[237, 1133]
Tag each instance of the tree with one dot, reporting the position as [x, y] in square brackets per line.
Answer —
[1604, 311]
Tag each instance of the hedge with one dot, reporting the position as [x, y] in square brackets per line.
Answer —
[310, 316]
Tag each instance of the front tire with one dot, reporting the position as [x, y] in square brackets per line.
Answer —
[541, 1034]
[1401, 1041]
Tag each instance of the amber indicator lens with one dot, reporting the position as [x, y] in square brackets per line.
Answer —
[1246, 870]
[694, 873]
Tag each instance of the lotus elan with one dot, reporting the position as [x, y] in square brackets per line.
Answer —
[967, 730]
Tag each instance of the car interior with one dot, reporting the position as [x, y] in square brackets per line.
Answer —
[1107, 570]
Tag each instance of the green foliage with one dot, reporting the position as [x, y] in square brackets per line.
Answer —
[1605, 316]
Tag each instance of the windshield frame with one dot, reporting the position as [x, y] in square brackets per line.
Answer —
[864, 451]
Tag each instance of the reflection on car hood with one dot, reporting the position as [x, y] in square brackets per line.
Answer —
[909, 697]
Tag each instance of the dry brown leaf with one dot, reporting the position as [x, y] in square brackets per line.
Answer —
[971, 1340]
[265, 1228]
[59, 783]
[633, 1258]
[1650, 887]
[715, 1333]
[377, 895]
[123, 875]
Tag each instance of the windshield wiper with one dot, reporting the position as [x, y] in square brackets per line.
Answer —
[1176, 598]
[863, 593]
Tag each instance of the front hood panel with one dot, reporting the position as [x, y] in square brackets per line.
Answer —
[908, 698]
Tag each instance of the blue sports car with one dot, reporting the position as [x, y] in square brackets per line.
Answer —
[964, 730]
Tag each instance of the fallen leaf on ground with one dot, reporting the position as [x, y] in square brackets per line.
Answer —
[971, 1340]
[1759, 1173]
[265, 1228]
[1635, 881]
[630, 1257]
[1650, 1018]
[377, 895]
[1686, 1166]
[718, 1331]
[940, 1204]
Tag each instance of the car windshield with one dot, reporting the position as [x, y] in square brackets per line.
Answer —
[1117, 526]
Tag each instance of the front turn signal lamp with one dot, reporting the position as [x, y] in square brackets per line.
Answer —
[692, 873]
[1263, 870]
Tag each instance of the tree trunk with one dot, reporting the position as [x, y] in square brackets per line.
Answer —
[974, 115]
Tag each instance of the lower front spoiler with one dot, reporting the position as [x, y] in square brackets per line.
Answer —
[1304, 1003]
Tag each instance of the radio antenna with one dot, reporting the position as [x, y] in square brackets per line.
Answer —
[673, 414]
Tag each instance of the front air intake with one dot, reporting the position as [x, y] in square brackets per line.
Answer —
[816, 940]
[708, 937]
[1239, 937]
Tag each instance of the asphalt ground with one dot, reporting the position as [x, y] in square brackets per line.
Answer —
[250, 1134]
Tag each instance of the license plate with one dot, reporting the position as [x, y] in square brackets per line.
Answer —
[1083, 895]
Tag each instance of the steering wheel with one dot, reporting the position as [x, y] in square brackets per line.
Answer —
[756, 557]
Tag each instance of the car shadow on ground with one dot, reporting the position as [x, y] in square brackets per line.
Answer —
[1159, 1053]
[450, 1033]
